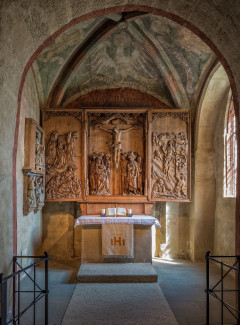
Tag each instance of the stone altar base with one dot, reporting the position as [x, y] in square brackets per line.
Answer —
[116, 273]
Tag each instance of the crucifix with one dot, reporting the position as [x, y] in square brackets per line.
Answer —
[116, 139]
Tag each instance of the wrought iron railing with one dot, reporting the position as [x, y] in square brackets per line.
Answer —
[38, 292]
[218, 293]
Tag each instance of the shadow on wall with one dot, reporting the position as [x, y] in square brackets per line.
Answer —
[172, 239]
[60, 239]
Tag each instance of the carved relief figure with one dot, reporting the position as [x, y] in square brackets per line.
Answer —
[51, 150]
[180, 188]
[31, 193]
[99, 173]
[159, 188]
[124, 163]
[60, 149]
[116, 142]
[64, 185]
[169, 170]
[39, 190]
[169, 158]
[62, 180]
[140, 170]
[71, 138]
[131, 173]
[34, 197]
[39, 152]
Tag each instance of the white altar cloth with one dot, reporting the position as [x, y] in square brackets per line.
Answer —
[134, 220]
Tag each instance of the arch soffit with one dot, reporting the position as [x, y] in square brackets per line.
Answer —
[202, 110]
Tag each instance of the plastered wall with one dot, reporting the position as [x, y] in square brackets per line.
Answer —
[210, 213]
[224, 232]
[29, 227]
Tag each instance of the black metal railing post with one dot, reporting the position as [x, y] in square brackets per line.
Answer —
[238, 284]
[14, 291]
[207, 287]
[19, 298]
[34, 295]
[46, 288]
[3, 288]
[222, 294]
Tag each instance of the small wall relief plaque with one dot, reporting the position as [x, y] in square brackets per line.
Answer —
[34, 167]
[33, 199]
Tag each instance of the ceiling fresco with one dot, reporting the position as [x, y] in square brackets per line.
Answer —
[149, 53]
[119, 61]
[51, 60]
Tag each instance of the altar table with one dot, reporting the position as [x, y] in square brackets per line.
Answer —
[91, 243]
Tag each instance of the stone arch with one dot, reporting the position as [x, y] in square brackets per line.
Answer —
[197, 20]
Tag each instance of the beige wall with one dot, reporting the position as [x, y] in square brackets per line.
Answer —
[29, 228]
[209, 218]
[224, 237]
[177, 230]
[58, 229]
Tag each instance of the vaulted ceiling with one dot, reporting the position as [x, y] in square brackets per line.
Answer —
[130, 54]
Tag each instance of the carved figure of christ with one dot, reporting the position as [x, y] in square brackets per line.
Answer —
[116, 139]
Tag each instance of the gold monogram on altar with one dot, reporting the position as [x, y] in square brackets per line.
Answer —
[118, 239]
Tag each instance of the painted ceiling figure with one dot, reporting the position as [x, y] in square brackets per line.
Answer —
[116, 145]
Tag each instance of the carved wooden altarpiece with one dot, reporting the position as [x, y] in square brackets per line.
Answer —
[117, 156]
[34, 167]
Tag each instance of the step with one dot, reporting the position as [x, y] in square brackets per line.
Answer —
[116, 273]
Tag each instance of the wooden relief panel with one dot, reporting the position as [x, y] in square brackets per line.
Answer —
[34, 167]
[63, 157]
[116, 153]
[170, 175]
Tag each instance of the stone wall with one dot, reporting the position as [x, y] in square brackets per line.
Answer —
[21, 38]
[29, 227]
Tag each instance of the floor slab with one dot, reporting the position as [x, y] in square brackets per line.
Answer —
[117, 273]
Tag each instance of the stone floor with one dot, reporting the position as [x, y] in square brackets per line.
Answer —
[182, 283]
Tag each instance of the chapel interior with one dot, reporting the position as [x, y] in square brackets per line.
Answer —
[107, 105]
